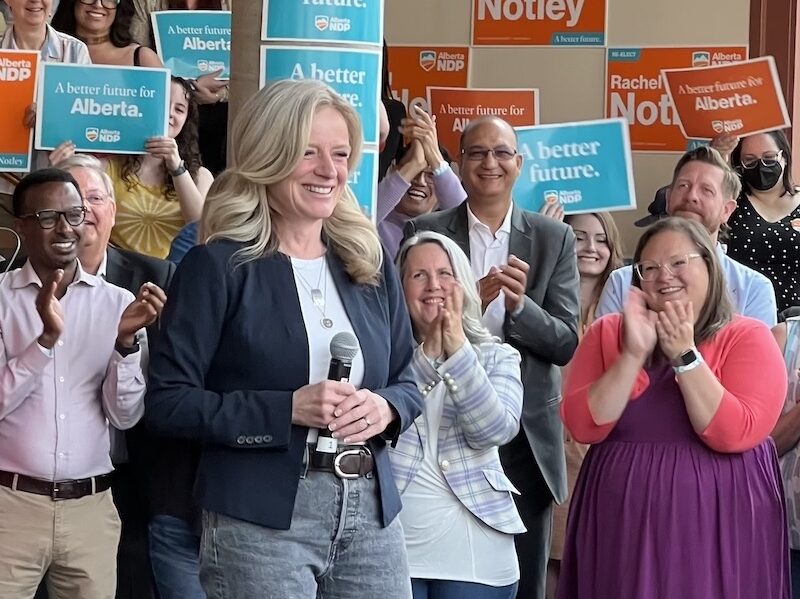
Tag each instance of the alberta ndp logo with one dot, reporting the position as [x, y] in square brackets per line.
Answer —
[326, 23]
[427, 60]
[94, 134]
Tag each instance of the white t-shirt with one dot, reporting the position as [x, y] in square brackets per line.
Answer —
[319, 338]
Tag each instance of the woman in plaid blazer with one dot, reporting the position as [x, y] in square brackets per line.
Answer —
[459, 517]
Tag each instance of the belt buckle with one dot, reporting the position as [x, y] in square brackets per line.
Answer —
[337, 469]
[54, 493]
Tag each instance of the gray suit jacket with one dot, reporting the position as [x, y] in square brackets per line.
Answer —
[545, 332]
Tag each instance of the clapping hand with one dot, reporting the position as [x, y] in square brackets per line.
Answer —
[49, 309]
[141, 312]
[675, 328]
[452, 324]
[638, 326]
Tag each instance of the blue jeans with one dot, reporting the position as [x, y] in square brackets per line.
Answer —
[452, 589]
[336, 548]
[795, 563]
[175, 555]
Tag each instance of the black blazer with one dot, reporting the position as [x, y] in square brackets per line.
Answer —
[545, 333]
[164, 469]
[234, 349]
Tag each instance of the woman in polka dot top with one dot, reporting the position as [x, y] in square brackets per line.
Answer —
[765, 228]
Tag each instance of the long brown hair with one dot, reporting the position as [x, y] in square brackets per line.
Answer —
[201, 5]
[615, 260]
[717, 310]
[187, 140]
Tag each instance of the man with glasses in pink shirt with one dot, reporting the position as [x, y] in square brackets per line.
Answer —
[69, 365]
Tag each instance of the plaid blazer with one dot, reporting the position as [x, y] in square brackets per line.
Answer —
[481, 411]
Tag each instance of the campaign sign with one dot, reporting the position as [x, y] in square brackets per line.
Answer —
[363, 181]
[585, 166]
[17, 88]
[351, 21]
[101, 108]
[192, 43]
[412, 69]
[635, 90]
[741, 98]
[353, 74]
[538, 22]
[454, 108]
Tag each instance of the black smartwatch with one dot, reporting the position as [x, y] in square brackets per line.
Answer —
[686, 361]
[127, 351]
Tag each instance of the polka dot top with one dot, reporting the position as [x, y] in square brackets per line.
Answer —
[772, 249]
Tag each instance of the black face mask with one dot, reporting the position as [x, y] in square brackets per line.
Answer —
[762, 177]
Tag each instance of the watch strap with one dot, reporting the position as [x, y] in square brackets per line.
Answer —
[178, 171]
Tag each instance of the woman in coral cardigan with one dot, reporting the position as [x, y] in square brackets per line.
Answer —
[680, 493]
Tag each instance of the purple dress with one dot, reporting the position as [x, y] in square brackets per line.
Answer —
[657, 514]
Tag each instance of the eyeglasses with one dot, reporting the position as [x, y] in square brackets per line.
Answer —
[648, 270]
[109, 4]
[96, 200]
[767, 159]
[501, 154]
[48, 219]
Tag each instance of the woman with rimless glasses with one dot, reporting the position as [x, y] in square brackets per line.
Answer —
[680, 494]
[765, 228]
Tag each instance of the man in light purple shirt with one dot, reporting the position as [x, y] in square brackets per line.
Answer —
[69, 365]
[421, 182]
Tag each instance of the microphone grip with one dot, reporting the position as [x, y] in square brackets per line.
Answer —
[339, 371]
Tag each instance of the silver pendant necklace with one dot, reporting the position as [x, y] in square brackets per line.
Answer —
[318, 296]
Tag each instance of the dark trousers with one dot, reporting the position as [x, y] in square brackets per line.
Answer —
[535, 505]
[134, 573]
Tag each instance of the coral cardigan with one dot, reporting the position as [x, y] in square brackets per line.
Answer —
[743, 356]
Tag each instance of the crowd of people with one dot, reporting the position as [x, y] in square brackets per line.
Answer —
[230, 383]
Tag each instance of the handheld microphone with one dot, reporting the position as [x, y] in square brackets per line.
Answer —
[344, 347]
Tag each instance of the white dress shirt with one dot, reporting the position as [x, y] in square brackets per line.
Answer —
[487, 250]
[55, 410]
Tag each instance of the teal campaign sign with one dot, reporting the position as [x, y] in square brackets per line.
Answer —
[585, 166]
[101, 108]
[363, 182]
[192, 43]
[353, 74]
[351, 21]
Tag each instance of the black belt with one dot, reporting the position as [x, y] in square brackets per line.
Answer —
[56, 490]
[349, 461]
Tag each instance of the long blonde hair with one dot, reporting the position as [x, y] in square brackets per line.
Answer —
[268, 139]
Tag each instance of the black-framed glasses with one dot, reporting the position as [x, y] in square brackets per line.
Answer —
[109, 4]
[501, 154]
[648, 270]
[767, 159]
[48, 219]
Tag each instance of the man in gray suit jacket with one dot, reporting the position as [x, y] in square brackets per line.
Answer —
[529, 290]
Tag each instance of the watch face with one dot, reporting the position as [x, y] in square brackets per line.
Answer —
[686, 358]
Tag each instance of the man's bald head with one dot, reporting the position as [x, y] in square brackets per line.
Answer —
[485, 121]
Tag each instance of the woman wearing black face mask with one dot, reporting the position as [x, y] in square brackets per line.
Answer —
[765, 228]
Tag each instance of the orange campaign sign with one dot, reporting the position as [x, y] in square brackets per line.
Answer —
[413, 68]
[635, 90]
[538, 22]
[454, 108]
[18, 90]
[741, 98]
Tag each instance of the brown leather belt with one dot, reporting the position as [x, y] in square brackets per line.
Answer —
[56, 490]
[349, 461]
